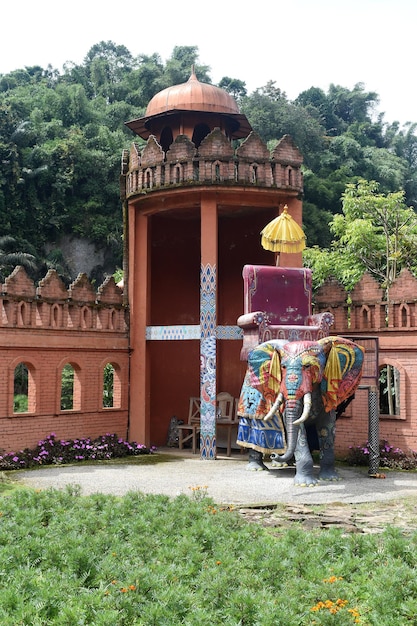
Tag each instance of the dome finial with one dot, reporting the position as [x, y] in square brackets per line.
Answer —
[193, 74]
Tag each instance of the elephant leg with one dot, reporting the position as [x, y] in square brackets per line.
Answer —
[256, 463]
[303, 461]
[326, 428]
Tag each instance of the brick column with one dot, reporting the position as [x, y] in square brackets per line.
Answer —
[139, 290]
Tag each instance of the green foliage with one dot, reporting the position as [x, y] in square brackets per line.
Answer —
[147, 559]
[20, 398]
[236, 88]
[12, 253]
[379, 230]
[376, 233]
[108, 385]
[61, 137]
[20, 403]
[67, 387]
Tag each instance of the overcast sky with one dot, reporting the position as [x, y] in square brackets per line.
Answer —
[296, 43]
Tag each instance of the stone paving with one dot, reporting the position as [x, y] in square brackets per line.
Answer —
[351, 518]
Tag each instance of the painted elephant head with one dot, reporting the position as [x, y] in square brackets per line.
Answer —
[291, 378]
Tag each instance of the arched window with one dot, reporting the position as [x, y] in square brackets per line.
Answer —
[23, 314]
[86, 317]
[111, 386]
[56, 316]
[166, 138]
[404, 321]
[366, 317]
[21, 389]
[148, 178]
[389, 390]
[70, 388]
[108, 386]
[217, 172]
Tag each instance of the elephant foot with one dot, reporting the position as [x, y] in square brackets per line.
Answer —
[329, 475]
[305, 480]
[256, 463]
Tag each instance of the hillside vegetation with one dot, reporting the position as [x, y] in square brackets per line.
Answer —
[62, 135]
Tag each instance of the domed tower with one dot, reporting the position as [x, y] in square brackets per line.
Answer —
[196, 198]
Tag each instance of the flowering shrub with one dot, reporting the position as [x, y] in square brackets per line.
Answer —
[59, 451]
[390, 457]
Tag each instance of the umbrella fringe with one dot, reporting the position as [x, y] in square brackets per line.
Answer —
[283, 234]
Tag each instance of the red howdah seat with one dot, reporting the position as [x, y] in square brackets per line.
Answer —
[277, 305]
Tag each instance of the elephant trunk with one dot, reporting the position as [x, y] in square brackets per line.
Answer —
[292, 426]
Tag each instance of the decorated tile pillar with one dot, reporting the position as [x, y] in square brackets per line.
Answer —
[208, 321]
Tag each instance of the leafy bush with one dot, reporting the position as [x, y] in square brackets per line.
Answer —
[151, 560]
[390, 457]
[20, 403]
[51, 451]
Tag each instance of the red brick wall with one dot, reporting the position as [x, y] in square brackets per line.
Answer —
[46, 327]
[395, 326]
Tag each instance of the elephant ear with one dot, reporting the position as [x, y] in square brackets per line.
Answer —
[342, 372]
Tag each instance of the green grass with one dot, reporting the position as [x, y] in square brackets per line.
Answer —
[146, 560]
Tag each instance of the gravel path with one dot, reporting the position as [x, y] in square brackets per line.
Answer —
[225, 480]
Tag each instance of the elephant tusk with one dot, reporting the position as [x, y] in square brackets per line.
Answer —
[274, 408]
[306, 410]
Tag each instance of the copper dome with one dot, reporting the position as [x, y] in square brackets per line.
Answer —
[192, 96]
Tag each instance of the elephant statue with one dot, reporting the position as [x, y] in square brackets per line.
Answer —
[289, 387]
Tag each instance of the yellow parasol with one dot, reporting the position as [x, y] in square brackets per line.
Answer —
[283, 234]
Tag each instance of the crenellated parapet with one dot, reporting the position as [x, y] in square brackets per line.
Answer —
[52, 306]
[366, 309]
[214, 162]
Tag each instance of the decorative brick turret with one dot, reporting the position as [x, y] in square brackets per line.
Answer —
[215, 162]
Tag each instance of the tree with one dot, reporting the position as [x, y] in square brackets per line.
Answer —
[234, 86]
[11, 255]
[376, 233]
[178, 67]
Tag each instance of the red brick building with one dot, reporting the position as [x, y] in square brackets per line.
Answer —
[47, 330]
[394, 325]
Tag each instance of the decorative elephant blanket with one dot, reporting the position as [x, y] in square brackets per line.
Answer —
[263, 372]
[335, 366]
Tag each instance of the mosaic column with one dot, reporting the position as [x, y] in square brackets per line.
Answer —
[208, 312]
